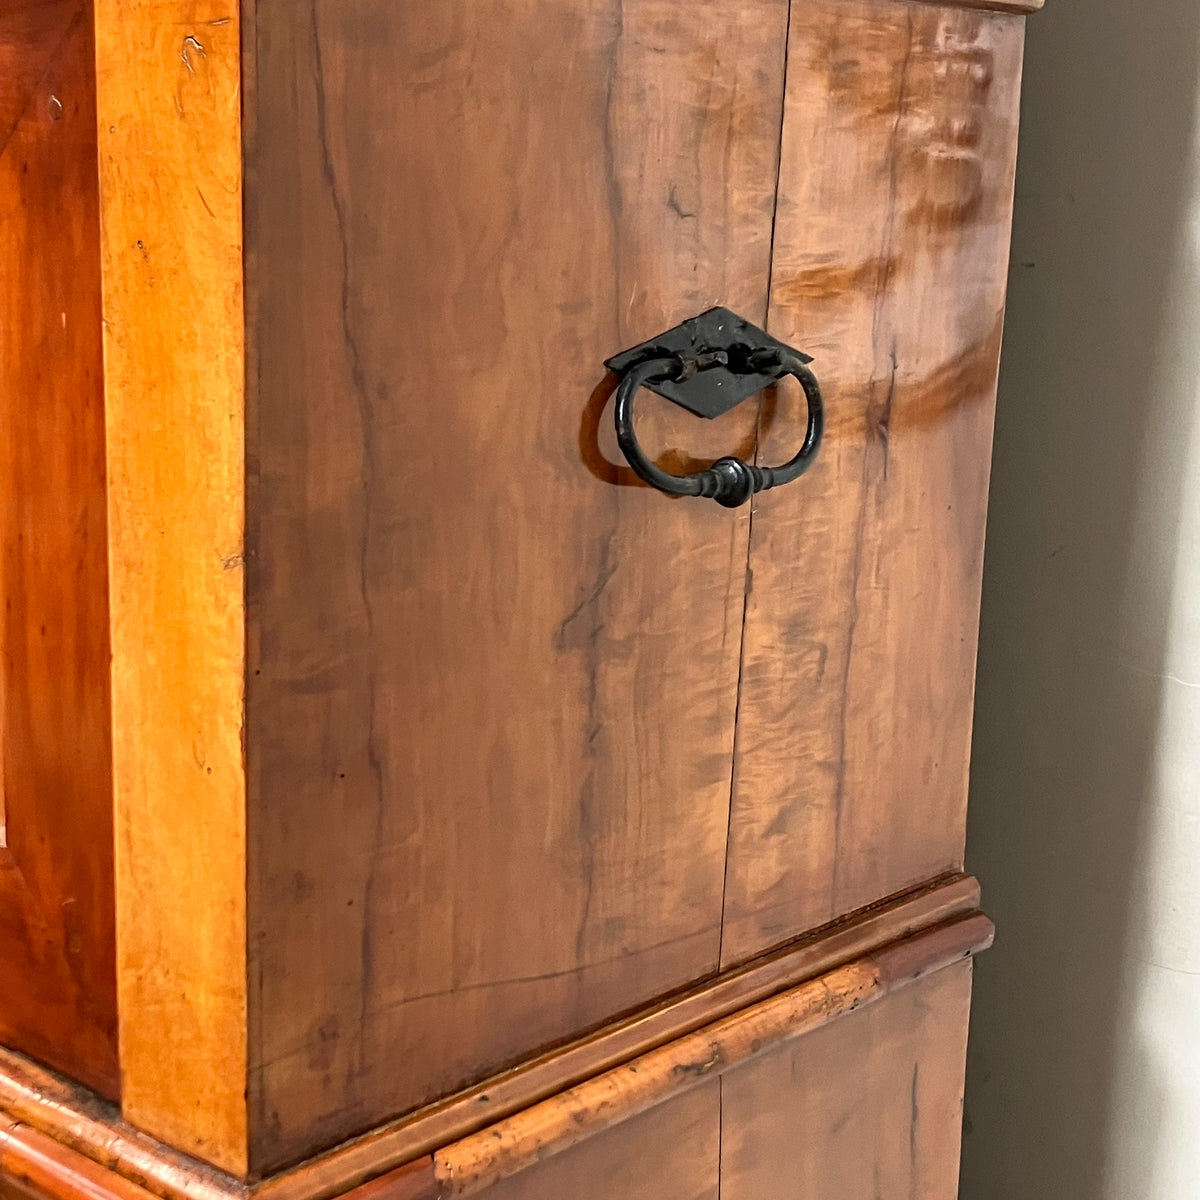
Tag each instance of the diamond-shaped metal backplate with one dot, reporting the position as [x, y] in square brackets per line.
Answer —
[714, 391]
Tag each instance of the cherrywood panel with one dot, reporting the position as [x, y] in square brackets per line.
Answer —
[57, 975]
[491, 681]
[869, 1108]
[170, 162]
[889, 266]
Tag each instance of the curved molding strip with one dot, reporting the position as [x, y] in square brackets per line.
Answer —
[67, 1143]
[33, 1165]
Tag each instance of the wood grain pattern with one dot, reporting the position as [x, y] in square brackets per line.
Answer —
[866, 1109]
[57, 974]
[492, 683]
[890, 262]
[170, 162]
[878, 1096]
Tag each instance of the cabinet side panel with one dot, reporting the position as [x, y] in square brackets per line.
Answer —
[890, 266]
[57, 941]
[170, 163]
[492, 680]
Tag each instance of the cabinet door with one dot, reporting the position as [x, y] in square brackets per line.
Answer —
[492, 679]
[890, 262]
[57, 999]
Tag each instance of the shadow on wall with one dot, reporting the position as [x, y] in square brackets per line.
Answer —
[1085, 519]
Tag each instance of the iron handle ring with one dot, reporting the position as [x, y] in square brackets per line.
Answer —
[729, 481]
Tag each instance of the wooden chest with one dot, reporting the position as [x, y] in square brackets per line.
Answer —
[404, 798]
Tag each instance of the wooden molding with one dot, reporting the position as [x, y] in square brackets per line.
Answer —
[463, 1144]
[1015, 7]
[33, 1165]
[174, 383]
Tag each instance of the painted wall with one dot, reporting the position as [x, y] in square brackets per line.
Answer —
[1084, 1077]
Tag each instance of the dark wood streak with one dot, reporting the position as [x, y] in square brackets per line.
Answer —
[361, 530]
[872, 482]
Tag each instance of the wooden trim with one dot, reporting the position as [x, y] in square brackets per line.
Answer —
[171, 214]
[1012, 7]
[417, 1180]
[82, 1124]
[917, 931]
[33, 1165]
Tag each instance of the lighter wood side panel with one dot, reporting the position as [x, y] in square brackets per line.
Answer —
[170, 162]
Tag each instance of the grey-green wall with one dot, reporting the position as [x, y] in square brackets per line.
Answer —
[1084, 1076]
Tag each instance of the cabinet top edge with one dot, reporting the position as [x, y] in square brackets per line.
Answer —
[1009, 7]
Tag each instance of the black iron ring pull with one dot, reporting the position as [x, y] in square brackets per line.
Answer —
[708, 365]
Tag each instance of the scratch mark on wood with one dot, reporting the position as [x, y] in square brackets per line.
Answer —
[190, 43]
